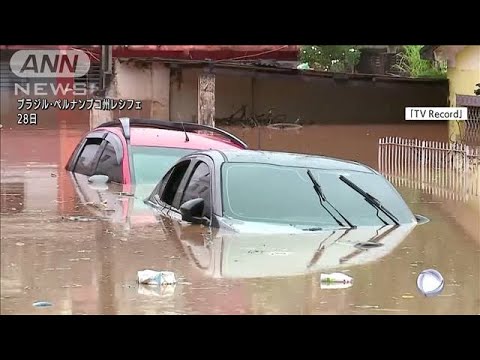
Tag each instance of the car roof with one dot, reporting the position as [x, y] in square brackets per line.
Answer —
[146, 136]
[293, 159]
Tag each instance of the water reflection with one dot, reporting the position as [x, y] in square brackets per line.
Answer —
[221, 254]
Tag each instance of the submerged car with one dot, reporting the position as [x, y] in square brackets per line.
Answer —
[275, 192]
[135, 151]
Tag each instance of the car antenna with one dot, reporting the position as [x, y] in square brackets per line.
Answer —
[186, 135]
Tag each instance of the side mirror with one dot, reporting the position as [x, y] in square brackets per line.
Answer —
[192, 211]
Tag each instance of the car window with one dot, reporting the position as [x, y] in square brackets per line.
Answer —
[85, 164]
[281, 194]
[199, 187]
[173, 182]
[109, 165]
[150, 163]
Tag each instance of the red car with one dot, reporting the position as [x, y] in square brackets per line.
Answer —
[133, 151]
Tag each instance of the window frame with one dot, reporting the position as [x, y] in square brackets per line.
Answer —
[95, 159]
[118, 158]
[192, 171]
[166, 180]
[175, 205]
[105, 136]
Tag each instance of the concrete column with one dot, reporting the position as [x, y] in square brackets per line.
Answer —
[206, 99]
[160, 92]
[148, 82]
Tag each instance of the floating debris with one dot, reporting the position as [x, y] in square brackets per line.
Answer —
[430, 282]
[337, 285]
[407, 296]
[19, 243]
[366, 306]
[152, 277]
[42, 304]
[79, 218]
[336, 278]
[123, 193]
[159, 291]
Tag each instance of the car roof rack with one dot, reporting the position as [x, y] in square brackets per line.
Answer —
[126, 123]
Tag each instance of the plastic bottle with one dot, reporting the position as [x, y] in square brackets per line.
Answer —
[336, 278]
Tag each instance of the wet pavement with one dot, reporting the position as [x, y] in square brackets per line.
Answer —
[82, 258]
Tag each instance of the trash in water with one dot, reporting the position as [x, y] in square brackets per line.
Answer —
[163, 291]
[79, 218]
[42, 304]
[98, 179]
[366, 306]
[430, 282]
[151, 277]
[337, 285]
[336, 278]
[123, 193]
[19, 243]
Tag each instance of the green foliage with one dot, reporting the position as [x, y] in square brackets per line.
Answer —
[337, 58]
[413, 65]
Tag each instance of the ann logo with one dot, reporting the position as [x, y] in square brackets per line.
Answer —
[49, 63]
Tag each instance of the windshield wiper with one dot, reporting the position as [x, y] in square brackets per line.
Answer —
[371, 200]
[322, 198]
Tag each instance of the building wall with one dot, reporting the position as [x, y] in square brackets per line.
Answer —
[463, 75]
[313, 100]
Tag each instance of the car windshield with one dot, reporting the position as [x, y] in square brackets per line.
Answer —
[150, 163]
[282, 194]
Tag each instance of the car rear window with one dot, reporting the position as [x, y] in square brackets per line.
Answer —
[150, 163]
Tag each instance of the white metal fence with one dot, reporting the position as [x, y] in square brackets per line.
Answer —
[449, 170]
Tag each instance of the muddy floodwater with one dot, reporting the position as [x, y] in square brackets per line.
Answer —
[80, 258]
